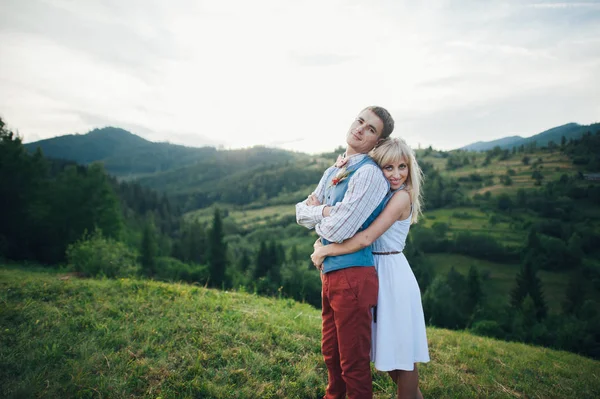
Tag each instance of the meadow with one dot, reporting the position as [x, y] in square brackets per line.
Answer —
[66, 337]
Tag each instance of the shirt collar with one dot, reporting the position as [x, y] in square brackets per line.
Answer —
[354, 159]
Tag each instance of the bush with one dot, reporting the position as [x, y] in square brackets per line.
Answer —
[441, 305]
[300, 281]
[475, 177]
[487, 328]
[551, 227]
[506, 180]
[96, 255]
[172, 269]
[557, 254]
[504, 202]
[429, 240]
[462, 215]
[482, 247]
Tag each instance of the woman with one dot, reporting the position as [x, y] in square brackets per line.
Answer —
[399, 337]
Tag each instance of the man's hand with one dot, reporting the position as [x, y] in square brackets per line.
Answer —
[317, 256]
[312, 200]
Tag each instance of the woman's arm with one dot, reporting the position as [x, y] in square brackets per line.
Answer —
[397, 207]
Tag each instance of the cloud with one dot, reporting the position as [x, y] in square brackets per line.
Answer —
[294, 74]
[524, 114]
[565, 5]
[111, 38]
[321, 59]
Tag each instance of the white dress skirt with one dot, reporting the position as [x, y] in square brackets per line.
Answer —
[399, 338]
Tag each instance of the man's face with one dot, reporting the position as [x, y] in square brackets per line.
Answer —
[364, 133]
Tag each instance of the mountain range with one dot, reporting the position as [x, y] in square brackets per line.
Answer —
[569, 131]
[127, 155]
[193, 177]
[198, 177]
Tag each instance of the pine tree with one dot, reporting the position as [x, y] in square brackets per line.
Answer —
[528, 283]
[217, 252]
[533, 242]
[521, 198]
[529, 313]
[262, 261]
[276, 258]
[441, 306]
[103, 202]
[474, 291]
[575, 250]
[294, 256]
[280, 254]
[244, 262]
[538, 177]
[21, 177]
[196, 242]
[575, 293]
[149, 249]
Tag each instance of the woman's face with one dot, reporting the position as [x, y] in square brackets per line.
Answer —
[396, 173]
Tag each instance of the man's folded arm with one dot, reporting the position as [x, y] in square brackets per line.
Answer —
[309, 216]
[366, 189]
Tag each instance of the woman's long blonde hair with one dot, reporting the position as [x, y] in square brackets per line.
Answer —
[394, 150]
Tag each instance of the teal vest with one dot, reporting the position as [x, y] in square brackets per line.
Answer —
[335, 194]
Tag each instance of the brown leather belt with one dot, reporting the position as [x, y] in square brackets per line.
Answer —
[387, 253]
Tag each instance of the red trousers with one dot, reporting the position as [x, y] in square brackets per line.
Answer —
[349, 296]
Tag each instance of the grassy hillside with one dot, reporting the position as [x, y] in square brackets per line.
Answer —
[552, 164]
[474, 220]
[65, 337]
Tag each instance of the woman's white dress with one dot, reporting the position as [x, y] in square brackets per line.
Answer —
[399, 338]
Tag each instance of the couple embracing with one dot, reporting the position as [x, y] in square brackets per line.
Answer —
[362, 210]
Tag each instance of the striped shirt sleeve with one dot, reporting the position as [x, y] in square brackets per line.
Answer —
[366, 189]
[309, 216]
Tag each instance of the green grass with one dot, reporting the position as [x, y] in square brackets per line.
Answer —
[262, 216]
[245, 218]
[473, 220]
[64, 337]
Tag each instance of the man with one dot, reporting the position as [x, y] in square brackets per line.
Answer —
[351, 193]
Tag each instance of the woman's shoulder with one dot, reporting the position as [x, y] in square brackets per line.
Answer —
[402, 194]
[400, 199]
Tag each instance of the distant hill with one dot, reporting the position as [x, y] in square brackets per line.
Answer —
[486, 145]
[125, 154]
[569, 131]
[194, 177]
[96, 145]
[122, 153]
[237, 177]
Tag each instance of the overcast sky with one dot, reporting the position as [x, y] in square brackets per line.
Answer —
[294, 74]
